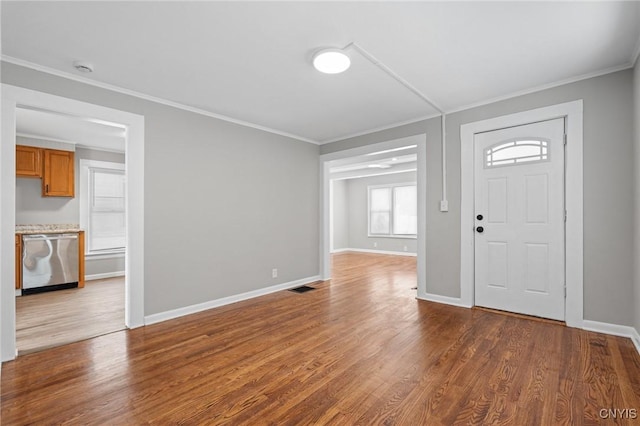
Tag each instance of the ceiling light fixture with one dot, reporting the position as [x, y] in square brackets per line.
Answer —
[331, 61]
[379, 166]
[83, 66]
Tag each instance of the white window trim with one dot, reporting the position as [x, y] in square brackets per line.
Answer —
[84, 197]
[391, 235]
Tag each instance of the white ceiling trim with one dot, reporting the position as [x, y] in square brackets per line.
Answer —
[144, 96]
[496, 99]
[44, 138]
[118, 89]
[543, 87]
[380, 129]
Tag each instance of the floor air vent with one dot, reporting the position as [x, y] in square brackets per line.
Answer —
[302, 289]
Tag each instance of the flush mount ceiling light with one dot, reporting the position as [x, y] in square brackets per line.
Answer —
[83, 66]
[331, 61]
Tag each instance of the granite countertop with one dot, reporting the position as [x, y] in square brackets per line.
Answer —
[47, 228]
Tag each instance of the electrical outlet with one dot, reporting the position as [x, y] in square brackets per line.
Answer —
[405, 248]
[444, 206]
[274, 273]
[375, 245]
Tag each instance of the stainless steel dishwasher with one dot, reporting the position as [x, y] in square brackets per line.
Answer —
[49, 262]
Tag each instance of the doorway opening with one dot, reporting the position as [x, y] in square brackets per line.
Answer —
[373, 202]
[15, 101]
[78, 236]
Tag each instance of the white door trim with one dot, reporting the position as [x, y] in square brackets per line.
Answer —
[572, 112]
[12, 97]
[421, 182]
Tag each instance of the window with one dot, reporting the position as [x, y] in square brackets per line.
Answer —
[102, 200]
[514, 152]
[393, 210]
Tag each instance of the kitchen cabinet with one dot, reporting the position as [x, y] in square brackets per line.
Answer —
[58, 174]
[28, 161]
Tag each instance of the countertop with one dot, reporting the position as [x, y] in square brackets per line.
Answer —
[48, 228]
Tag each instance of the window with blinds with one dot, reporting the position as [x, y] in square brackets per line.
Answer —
[103, 199]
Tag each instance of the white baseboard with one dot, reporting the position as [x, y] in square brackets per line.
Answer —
[187, 310]
[614, 330]
[635, 338]
[396, 253]
[454, 301]
[103, 276]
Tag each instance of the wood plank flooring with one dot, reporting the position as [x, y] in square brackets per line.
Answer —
[55, 318]
[358, 350]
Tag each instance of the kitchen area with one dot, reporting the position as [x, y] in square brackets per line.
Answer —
[70, 229]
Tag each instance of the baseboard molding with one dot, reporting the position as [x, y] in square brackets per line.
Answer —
[614, 330]
[187, 310]
[635, 338]
[395, 253]
[103, 276]
[454, 301]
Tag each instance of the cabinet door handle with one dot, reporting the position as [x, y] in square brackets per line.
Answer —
[46, 189]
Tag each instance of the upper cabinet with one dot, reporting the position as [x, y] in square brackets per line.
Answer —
[56, 168]
[28, 161]
[58, 174]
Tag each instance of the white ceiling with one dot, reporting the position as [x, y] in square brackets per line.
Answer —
[251, 61]
[81, 131]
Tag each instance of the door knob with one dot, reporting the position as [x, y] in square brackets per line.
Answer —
[480, 229]
[479, 217]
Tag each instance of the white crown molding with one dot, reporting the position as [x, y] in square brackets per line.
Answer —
[118, 89]
[497, 99]
[380, 129]
[542, 87]
[44, 138]
[52, 71]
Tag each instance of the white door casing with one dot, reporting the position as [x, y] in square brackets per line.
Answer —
[12, 97]
[572, 112]
[519, 219]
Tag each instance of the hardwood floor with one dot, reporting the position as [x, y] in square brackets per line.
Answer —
[357, 350]
[59, 317]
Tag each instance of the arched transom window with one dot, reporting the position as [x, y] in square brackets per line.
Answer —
[516, 152]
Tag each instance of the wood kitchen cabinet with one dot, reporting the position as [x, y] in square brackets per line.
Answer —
[18, 261]
[28, 161]
[58, 174]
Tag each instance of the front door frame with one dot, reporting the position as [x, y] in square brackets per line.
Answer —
[572, 113]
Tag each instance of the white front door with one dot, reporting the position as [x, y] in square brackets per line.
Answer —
[519, 208]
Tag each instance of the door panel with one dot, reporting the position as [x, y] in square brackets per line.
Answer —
[519, 191]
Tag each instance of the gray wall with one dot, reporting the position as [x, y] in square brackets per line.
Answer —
[608, 195]
[340, 214]
[357, 210]
[33, 208]
[636, 254]
[224, 203]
